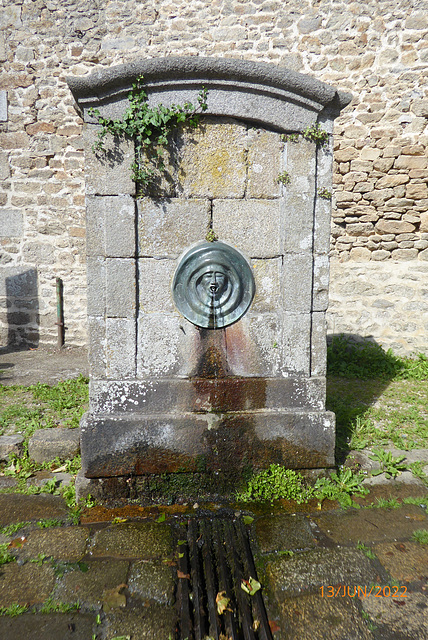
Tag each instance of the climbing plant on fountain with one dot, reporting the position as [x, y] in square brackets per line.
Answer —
[150, 128]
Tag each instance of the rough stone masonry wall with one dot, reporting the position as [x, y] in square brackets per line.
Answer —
[378, 49]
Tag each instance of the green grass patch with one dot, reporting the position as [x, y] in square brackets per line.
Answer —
[375, 413]
[421, 501]
[68, 399]
[13, 610]
[421, 536]
[40, 406]
[379, 399]
[56, 606]
[5, 556]
[11, 529]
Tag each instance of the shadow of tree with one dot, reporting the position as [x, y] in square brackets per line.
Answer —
[359, 371]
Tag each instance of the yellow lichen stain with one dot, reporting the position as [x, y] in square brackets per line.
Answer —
[213, 162]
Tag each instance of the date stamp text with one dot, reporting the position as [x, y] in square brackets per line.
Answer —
[358, 591]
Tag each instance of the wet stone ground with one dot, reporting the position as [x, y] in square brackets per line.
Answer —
[334, 573]
[330, 574]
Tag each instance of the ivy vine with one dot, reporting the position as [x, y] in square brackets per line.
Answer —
[149, 127]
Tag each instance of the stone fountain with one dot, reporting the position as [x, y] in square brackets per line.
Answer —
[209, 357]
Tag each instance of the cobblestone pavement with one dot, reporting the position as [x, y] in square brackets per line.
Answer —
[325, 574]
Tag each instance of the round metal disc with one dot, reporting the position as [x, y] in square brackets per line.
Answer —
[213, 285]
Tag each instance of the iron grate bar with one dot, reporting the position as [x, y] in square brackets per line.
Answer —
[197, 580]
[183, 593]
[214, 560]
[225, 583]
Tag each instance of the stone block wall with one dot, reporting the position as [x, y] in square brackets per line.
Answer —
[377, 49]
[134, 245]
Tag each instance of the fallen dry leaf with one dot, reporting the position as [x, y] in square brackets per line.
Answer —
[170, 563]
[250, 586]
[17, 543]
[180, 574]
[222, 602]
[60, 469]
[274, 627]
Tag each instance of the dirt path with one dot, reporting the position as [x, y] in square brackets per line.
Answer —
[47, 365]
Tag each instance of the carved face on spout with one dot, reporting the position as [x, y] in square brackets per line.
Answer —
[213, 285]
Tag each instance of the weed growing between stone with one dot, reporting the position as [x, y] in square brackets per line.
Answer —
[421, 501]
[50, 606]
[389, 465]
[284, 178]
[366, 550]
[313, 133]
[149, 128]
[22, 468]
[10, 529]
[324, 193]
[340, 486]
[421, 536]
[417, 469]
[47, 523]
[5, 556]
[13, 610]
[54, 606]
[386, 503]
[277, 483]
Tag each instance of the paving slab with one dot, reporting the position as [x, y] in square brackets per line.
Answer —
[371, 525]
[144, 540]
[7, 482]
[46, 365]
[150, 623]
[152, 581]
[279, 533]
[405, 477]
[47, 444]
[311, 570]
[17, 507]
[399, 618]
[313, 617]
[10, 444]
[54, 626]
[25, 584]
[89, 587]
[66, 544]
[404, 561]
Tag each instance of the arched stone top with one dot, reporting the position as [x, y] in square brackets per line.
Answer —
[262, 93]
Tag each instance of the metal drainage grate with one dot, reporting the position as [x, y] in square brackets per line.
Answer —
[214, 556]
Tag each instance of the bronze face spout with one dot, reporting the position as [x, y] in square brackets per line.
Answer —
[213, 285]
